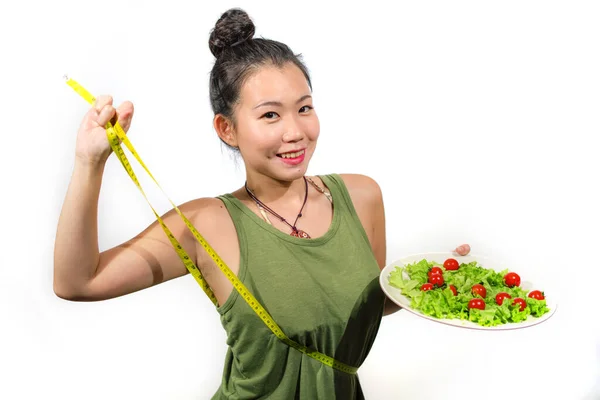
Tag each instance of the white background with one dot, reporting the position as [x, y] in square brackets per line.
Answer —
[475, 117]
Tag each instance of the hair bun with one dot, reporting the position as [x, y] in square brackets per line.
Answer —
[234, 27]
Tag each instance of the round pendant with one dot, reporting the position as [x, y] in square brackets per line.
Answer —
[300, 234]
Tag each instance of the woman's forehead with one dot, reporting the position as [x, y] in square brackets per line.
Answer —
[272, 83]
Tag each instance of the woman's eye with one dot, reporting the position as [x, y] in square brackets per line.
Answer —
[270, 115]
[308, 108]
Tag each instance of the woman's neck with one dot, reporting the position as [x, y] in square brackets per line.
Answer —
[271, 191]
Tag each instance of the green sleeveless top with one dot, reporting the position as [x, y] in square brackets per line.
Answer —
[324, 293]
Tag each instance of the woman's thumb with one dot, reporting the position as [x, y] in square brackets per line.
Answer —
[125, 114]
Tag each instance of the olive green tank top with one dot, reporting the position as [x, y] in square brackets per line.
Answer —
[324, 293]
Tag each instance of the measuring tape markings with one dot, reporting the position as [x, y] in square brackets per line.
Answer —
[114, 133]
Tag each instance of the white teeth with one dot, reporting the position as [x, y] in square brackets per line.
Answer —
[293, 155]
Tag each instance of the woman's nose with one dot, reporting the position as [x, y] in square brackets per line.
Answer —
[293, 131]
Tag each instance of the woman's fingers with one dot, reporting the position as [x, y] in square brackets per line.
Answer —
[463, 249]
[106, 114]
[103, 109]
[102, 101]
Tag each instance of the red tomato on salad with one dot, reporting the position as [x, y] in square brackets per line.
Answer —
[426, 287]
[536, 294]
[522, 303]
[501, 296]
[434, 270]
[479, 290]
[453, 289]
[436, 279]
[451, 264]
[477, 303]
[512, 279]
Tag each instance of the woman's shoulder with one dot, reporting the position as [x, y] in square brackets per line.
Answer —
[210, 217]
[210, 211]
[359, 181]
[359, 185]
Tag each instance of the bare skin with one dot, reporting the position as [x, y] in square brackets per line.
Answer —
[262, 133]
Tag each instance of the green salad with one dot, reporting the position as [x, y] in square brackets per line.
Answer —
[467, 291]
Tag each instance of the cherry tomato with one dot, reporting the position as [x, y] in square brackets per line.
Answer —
[478, 289]
[434, 270]
[451, 264]
[512, 279]
[451, 287]
[436, 279]
[501, 296]
[426, 287]
[536, 294]
[522, 303]
[477, 303]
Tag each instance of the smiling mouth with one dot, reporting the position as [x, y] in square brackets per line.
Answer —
[291, 155]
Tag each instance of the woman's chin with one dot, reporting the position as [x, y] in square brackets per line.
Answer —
[295, 168]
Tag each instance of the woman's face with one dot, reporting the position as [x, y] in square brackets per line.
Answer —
[277, 127]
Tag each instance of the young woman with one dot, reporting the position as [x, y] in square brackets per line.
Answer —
[310, 249]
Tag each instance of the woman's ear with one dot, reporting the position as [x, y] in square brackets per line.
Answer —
[225, 130]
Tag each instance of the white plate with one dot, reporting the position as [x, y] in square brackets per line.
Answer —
[397, 297]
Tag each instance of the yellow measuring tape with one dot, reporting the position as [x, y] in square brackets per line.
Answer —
[114, 133]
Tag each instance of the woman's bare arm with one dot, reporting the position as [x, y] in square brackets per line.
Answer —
[82, 273]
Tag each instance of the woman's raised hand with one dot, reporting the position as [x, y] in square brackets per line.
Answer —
[92, 144]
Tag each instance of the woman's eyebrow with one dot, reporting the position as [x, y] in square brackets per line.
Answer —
[277, 103]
